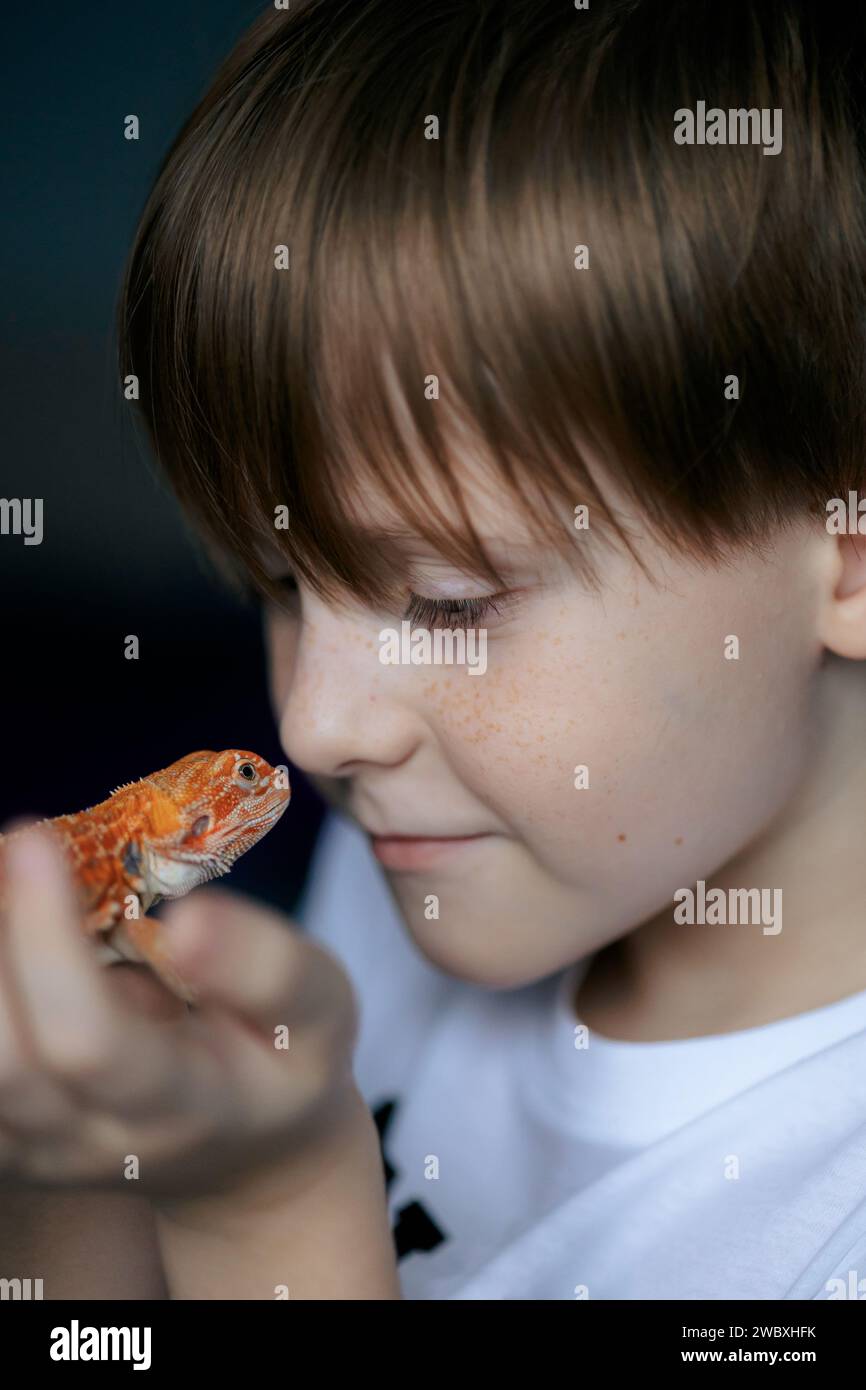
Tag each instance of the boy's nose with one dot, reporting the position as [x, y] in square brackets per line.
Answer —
[341, 705]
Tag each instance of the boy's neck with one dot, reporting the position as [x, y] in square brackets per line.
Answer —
[668, 980]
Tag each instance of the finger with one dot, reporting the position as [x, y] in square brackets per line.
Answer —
[259, 1081]
[247, 958]
[65, 1005]
[138, 988]
[27, 1098]
[77, 1032]
[12, 1033]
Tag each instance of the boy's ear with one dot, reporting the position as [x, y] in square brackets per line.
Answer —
[843, 619]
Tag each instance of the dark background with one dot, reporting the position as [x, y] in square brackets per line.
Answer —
[116, 556]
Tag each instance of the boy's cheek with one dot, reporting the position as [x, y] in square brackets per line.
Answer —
[637, 761]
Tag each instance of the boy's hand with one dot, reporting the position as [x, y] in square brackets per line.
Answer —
[105, 1076]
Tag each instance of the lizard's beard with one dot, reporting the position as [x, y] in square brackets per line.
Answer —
[171, 878]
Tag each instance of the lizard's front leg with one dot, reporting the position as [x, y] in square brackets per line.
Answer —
[135, 938]
[140, 939]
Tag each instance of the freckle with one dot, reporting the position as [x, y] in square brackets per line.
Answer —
[621, 838]
[678, 840]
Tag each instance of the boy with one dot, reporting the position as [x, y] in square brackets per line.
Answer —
[439, 316]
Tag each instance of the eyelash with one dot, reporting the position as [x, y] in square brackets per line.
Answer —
[452, 612]
[461, 613]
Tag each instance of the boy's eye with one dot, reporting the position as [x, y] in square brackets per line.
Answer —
[455, 612]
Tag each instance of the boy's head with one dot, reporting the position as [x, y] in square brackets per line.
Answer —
[426, 280]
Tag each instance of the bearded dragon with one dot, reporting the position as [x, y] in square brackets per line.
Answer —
[158, 838]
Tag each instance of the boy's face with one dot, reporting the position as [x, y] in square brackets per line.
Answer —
[688, 754]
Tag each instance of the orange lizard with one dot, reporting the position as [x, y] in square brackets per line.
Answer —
[160, 837]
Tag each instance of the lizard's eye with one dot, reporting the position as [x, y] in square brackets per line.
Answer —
[247, 771]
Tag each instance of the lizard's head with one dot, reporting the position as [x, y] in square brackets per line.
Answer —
[207, 810]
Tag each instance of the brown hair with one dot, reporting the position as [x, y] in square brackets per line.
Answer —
[455, 256]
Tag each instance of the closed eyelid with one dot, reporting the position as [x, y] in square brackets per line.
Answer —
[471, 611]
[446, 609]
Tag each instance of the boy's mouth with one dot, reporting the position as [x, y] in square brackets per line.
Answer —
[410, 852]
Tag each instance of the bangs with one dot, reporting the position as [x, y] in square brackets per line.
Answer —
[326, 308]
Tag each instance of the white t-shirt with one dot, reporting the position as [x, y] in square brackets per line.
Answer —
[523, 1166]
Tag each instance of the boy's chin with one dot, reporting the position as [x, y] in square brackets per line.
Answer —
[476, 938]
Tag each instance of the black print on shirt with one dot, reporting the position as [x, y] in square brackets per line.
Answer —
[415, 1228]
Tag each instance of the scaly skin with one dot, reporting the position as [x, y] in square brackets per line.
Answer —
[159, 838]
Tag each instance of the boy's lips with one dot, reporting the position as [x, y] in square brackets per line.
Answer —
[407, 852]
